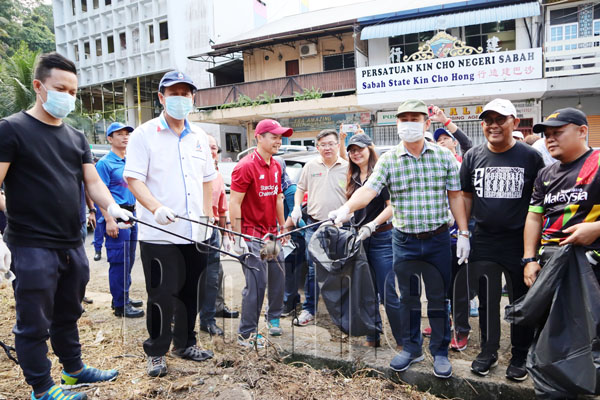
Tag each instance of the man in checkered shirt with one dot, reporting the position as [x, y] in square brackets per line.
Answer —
[421, 178]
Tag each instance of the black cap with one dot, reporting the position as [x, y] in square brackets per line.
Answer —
[175, 77]
[562, 117]
[360, 140]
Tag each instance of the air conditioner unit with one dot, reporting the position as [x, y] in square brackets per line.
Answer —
[308, 50]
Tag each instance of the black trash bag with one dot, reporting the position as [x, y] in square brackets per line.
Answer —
[344, 277]
[563, 306]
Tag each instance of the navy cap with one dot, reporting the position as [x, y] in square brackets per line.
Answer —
[562, 117]
[361, 140]
[117, 126]
[441, 131]
[175, 77]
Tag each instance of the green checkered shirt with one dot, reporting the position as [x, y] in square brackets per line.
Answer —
[418, 186]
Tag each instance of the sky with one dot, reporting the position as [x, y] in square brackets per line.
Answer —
[277, 9]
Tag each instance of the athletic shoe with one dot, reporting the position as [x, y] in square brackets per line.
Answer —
[254, 340]
[473, 310]
[460, 341]
[442, 367]
[516, 370]
[426, 332]
[305, 318]
[287, 310]
[404, 360]
[274, 328]
[483, 363]
[193, 353]
[56, 392]
[157, 366]
[97, 256]
[86, 377]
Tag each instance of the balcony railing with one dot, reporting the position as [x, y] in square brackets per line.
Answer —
[573, 57]
[326, 82]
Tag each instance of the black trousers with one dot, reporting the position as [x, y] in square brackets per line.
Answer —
[49, 287]
[172, 273]
[459, 295]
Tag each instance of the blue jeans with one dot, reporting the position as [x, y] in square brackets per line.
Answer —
[210, 282]
[120, 253]
[311, 289]
[293, 270]
[99, 235]
[379, 254]
[435, 266]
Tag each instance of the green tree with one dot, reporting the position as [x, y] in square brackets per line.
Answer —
[16, 75]
[26, 20]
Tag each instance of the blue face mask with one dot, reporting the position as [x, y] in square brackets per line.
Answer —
[178, 107]
[58, 104]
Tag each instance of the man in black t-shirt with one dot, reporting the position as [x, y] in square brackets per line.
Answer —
[497, 180]
[565, 206]
[43, 162]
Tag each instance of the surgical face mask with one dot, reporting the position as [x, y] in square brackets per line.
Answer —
[58, 104]
[410, 131]
[178, 107]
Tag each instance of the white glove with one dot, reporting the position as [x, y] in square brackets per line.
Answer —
[240, 246]
[164, 215]
[296, 215]
[367, 230]
[120, 213]
[463, 248]
[6, 274]
[340, 215]
[226, 242]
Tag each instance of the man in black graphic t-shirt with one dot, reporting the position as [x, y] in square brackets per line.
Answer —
[565, 206]
[497, 180]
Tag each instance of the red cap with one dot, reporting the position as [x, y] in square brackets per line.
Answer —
[272, 126]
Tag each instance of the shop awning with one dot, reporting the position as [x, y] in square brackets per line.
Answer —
[452, 20]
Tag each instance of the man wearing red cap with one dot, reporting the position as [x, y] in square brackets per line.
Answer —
[255, 207]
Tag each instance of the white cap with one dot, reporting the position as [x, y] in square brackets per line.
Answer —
[429, 136]
[501, 106]
[518, 134]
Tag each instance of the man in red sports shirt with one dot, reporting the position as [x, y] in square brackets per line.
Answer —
[255, 208]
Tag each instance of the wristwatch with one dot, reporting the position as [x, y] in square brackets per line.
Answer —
[92, 211]
[525, 261]
[464, 233]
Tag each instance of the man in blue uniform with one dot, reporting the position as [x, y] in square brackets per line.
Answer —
[120, 243]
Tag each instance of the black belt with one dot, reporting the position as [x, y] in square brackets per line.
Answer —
[428, 235]
[384, 228]
[128, 207]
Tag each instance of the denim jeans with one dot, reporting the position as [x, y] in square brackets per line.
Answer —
[293, 270]
[379, 253]
[210, 282]
[433, 257]
[311, 289]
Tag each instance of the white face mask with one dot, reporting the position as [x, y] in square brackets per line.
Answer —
[411, 131]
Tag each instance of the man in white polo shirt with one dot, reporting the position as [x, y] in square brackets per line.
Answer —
[169, 170]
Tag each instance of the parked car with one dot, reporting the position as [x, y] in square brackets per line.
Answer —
[284, 149]
[99, 151]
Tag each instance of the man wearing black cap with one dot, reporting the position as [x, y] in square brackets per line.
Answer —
[566, 198]
[169, 169]
[497, 181]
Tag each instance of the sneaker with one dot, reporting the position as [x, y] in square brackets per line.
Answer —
[287, 310]
[254, 340]
[305, 318]
[56, 392]
[516, 370]
[193, 353]
[459, 341]
[157, 366]
[274, 328]
[402, 361]
[97, 256]
[473, 308]
[86, 377]
[483, 363]
[426, 332]
[442, 367]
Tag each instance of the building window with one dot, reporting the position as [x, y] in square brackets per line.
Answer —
[338, 61]
[84, 5]
[123, 40]
[563, 32]
[478, 35]
[406, 45]
[98, 47]
[107, 2]
[76, 51]
[164, 30]
[232, 142]
[151, 33]
[73, 6]
[96, 4]
[110, 43]
[597, 31]
[86, 49]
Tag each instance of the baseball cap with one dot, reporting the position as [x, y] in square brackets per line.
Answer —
[518, 135]
[117, 126]
[361, 140]
[175, 77]
[416, 106]
[562, 117]
[272, 126]
[501, 106]
[441, 131]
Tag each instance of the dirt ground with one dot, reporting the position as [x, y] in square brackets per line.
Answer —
[234, 372]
